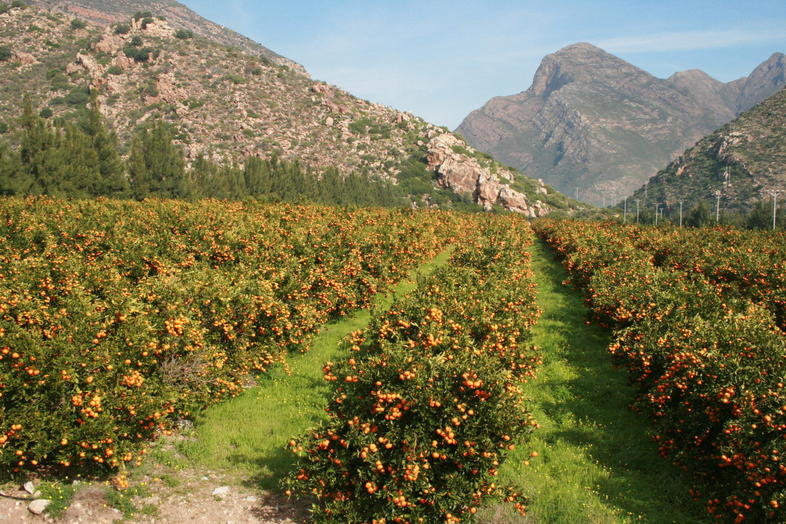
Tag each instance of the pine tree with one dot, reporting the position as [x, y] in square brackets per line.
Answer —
[156, 166]
[12, 181]
[113, 181]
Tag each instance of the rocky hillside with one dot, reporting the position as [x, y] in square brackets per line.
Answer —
[595, 124]
[741, 160]
[107, 12]
[226, 104]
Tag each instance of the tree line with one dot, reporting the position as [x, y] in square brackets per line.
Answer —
[82, 159]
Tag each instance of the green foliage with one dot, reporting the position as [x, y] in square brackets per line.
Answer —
[4, 8]
[18, 4]
[122, 29]
[115, 70]
[699, 317]
[77, 96]
[184, 34]
[427, 405]
[369, 126]
[124, 500]
[136, 41]
[147, 312]
[234, 78]
[79, 160]
[760, 217]
[3, 128]
[140, 54]
[140, 15]
[78, 24]
[156, 166]
[698, 216]
[59, 495]
[58, 79]
[5, 53]
[46, 113]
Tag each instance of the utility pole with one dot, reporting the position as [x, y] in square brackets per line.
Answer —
[717, 206]
[625, 212]
[774, 193]
[637, 210]
[680, 213]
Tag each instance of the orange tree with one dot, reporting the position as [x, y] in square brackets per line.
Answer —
[117, 318]
[427, 403]
[710, 363]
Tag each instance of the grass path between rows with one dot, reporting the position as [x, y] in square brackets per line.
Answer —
[596, 460]
[248, 434]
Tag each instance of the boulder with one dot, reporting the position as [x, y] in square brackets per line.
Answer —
[24, 58]
[38, 506]
[463, 174]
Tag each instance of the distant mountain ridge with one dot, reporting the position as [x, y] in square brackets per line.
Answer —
[105, 12]
[741, 160]
[594, 125]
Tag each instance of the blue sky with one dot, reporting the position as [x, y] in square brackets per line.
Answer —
[442, 59]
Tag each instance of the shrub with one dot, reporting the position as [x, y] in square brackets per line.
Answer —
[5, 53]
[46, 113]
[427, 406]
[136, 41]
[139, 15]
[140, 54]
[78, 24]
[698, 332]
[184, 34]
[122, 29]
[115, 70]
[18, 4]
[77, 96]
[3, 128]
[140, 317]
[235, 79]
[4, 8]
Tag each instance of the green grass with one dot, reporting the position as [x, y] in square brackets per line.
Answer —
[596, 461]
[249, 433]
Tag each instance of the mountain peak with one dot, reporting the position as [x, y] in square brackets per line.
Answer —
[766, 80]
[581, 61]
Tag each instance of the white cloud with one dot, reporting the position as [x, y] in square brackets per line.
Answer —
[688, 40]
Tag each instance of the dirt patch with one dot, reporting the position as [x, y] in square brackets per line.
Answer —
[195, 497]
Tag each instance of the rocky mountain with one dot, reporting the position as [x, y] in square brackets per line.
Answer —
[742, 160]
[226, 104]
[107, 12]
[766, 80]
[596, 126]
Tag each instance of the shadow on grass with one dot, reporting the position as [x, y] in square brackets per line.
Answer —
[596, 455]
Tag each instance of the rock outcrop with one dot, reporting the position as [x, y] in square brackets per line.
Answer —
[464, 175]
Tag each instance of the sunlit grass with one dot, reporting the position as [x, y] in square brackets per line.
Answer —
[250, 432]
[595, 459]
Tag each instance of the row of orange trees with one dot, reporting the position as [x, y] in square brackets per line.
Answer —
[703, 347]
[743, 264]
[426, 403]
[118, 318]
